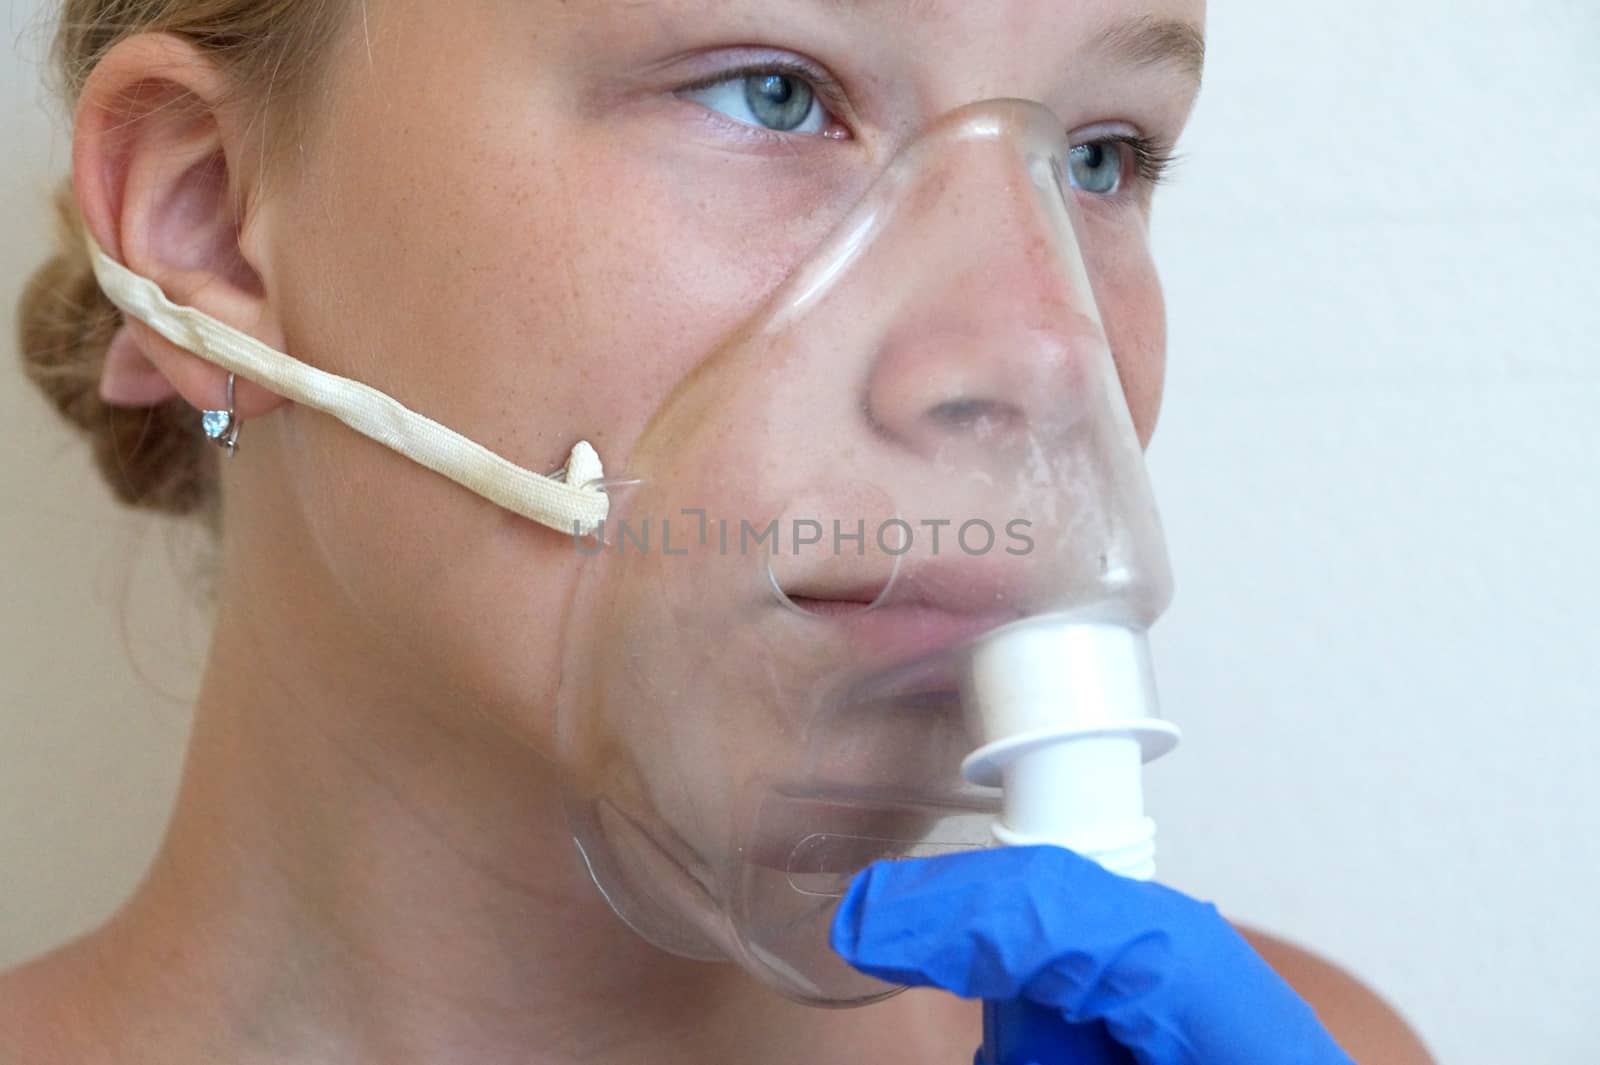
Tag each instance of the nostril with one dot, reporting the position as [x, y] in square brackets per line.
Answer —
[978, 416]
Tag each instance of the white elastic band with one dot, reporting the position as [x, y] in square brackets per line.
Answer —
[573, 504]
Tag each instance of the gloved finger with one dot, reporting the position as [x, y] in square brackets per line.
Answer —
[987, 924]
[1020, 1031]
[1169, 977]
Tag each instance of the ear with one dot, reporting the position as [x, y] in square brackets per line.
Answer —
[161, 162]
[128, 378]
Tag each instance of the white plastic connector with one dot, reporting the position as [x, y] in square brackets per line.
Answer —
[1066, 710]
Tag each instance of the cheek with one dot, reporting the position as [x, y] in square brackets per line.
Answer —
[507, 287]
[1133, 311]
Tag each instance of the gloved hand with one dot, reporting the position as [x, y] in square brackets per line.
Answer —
[1138, 971]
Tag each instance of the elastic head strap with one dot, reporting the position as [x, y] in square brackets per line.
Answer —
[573, 503]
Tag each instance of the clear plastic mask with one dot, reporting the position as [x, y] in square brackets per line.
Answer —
[781, 653]
[874, 582]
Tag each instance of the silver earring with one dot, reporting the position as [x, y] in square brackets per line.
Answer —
[222, 426]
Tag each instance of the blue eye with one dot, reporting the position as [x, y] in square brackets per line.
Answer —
[778, 101]
[770, 100]
[1097, 167]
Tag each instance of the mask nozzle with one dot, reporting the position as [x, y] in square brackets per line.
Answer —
[1066, 709]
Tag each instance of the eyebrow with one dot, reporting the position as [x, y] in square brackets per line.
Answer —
[1146, 41]
[1151, 41]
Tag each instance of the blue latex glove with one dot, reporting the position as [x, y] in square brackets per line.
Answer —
[1136, 970]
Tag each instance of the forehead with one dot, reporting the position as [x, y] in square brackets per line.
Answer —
[994, 40]
[1136, 27]
[900, 58]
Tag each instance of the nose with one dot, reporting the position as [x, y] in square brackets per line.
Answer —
[994, 343]
[991, 362]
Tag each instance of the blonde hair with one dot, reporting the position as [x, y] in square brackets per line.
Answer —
[154, 457]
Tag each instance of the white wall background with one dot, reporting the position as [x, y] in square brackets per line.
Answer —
[1380, 468]
[100, 639]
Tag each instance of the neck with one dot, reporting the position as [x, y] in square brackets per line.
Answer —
[351, 877]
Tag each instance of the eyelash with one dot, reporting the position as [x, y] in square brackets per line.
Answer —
[1152, 160]
[829, 92]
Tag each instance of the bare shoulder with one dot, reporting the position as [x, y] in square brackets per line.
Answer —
[22, 1018]
[44, 1011]
[1369, 1029]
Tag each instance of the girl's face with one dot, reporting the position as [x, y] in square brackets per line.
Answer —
[531, 220]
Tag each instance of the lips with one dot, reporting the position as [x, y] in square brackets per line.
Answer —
[903, 632]
[925, 611]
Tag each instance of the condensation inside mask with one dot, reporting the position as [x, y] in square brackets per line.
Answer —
[918, 441]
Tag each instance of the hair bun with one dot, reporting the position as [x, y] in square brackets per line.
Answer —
[152, 457]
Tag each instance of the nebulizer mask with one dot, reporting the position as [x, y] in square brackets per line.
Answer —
[873, 583]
